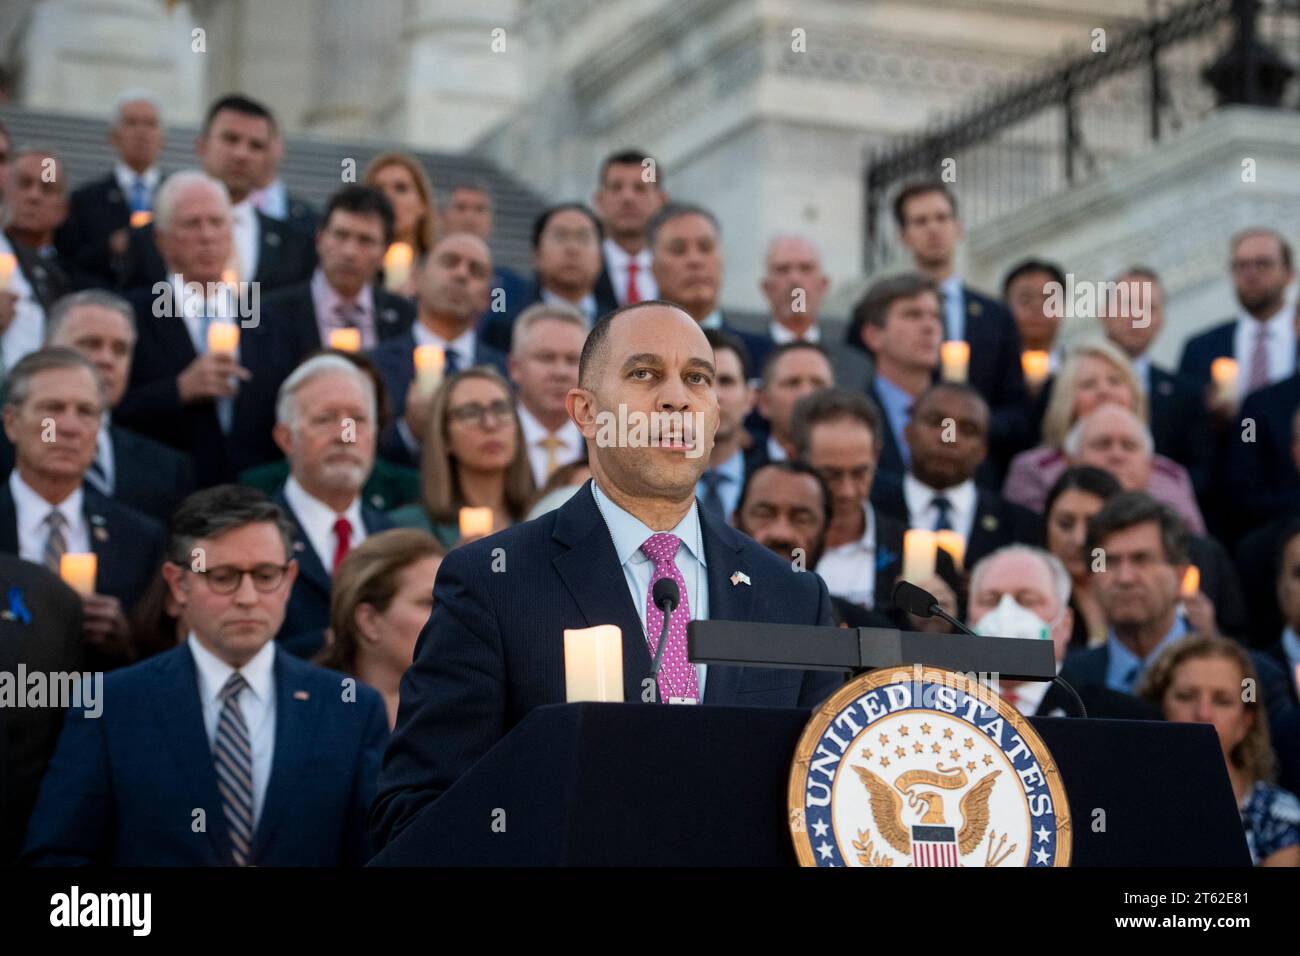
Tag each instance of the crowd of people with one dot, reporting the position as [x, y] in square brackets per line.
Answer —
[270, 501]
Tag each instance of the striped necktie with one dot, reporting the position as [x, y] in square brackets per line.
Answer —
[56, 543]
[233, 753]
[97, 477]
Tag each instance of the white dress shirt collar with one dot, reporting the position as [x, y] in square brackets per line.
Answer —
[570, 438]
[617, 259]
[462, 345]
[256, 704]
[780, 335]
[30, 512]
[849, 569]
[247, 232]
[212, 672]
[587, 306]
[126, 177]
[317, 520]
[923, 514]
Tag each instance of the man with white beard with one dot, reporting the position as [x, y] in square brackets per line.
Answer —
[325, 425]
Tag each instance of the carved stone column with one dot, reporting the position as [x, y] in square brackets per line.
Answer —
[78, 55]
[463, 64]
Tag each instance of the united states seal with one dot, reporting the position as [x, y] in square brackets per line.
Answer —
[921, 766]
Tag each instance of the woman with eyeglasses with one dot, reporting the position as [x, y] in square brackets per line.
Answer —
[474, 456]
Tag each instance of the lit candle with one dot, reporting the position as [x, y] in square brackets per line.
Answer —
[223, 337]
[230, 277]
[593, 664]
[8, 263]
[345, 340]
[397, 265]
[955, 356]
[919, 548]
[1036, 365]
[475, 522]
[1224, 373]
[78, 571]
[429, 362]
[141, 218]
[953, 543]
[1191, 581]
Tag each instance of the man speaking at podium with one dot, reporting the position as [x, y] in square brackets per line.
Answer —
[493, 648]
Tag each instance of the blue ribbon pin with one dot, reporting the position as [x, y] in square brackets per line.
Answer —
[17, 607]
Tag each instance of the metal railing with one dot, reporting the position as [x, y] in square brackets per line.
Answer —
[1061, 128]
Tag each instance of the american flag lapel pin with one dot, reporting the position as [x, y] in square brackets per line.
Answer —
[301, 695]
[738, 578]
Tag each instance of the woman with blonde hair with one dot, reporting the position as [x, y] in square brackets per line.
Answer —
[1094, 373]
[379, 602]
[402, 178]
[1201, 679]
[473, 456]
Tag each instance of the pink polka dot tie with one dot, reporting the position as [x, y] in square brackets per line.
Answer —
[677, 675]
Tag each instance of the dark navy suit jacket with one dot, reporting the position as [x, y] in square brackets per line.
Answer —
[1262, 480]
[50, 641]
[286, 255]
[148, 475]
[395, 359]
[122, 789]
[393, 313]
[95, 211]
[493, 648]
[497, 329]
[128, 545]
[152, 405]
[891, 455]
[1088, 669]
[308, 613]
[997, 523]
[1200, 351]
[1178, 424]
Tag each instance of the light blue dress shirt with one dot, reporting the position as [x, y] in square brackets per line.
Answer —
[733, 479]
[1124, 668]
[897, 406]
[953, 302]
[628, 534]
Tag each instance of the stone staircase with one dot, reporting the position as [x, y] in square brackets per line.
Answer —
[312, 169]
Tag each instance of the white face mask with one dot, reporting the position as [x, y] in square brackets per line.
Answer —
[1011, 619]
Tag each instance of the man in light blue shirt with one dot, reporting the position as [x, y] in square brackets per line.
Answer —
[629, 533]
[719, 487]
[1137, 549]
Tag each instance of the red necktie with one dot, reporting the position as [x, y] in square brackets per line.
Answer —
[343, 534]
[633, 293]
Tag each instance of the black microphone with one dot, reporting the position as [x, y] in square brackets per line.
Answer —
[666, 597]
[922, 603]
